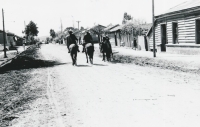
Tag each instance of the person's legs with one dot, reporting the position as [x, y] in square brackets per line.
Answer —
[68, 48]
[83, 47]
[77, 48]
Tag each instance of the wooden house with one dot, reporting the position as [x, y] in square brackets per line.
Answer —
[178, 29]
[112, 35]
[116, 31]
[132, 34]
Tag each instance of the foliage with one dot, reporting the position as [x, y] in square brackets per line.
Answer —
[47, 40]
[98, 29]
[136, 27]
[52, 33]
[82, 28]
[31, 29]
[126, 18]
[130, 28]
[70, 28]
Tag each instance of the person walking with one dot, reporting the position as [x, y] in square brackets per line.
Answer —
[71, 39]
[106, 41]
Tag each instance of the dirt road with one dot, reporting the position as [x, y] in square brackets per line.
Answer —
[112, 95]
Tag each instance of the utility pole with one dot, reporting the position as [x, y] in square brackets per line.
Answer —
[72, 21]
[4, 36]
[153, 29]
[78, 24]
[24, 44]
[61, 26]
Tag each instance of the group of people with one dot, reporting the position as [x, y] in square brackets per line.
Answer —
[72, 39]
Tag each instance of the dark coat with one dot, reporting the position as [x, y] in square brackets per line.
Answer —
[71, 39]
[88, 38]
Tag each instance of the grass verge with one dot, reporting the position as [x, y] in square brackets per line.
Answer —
[21, 84]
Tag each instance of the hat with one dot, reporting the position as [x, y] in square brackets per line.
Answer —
[70, 31]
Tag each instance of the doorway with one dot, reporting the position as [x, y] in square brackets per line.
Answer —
[163, 37]
[198, 31]
[175, 32]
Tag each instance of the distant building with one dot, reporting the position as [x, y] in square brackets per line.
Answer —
[10, 40]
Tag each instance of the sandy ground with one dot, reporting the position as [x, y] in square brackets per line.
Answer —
[112, 95]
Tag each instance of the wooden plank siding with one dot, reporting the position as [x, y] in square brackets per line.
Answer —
[169, 32]
[186, 31]
[157, 37]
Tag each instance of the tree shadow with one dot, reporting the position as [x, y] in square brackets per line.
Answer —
[28, 63]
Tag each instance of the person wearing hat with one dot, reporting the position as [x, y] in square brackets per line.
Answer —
[87, 39]
[106, 40]
[71, 39]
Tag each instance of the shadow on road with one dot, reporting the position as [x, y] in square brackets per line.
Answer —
[28, 63]
[83, 66]
[100, 65]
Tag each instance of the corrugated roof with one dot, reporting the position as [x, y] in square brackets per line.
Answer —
[183, 6]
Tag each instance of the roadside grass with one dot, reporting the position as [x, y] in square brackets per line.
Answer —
[21, 83]
[151, 62]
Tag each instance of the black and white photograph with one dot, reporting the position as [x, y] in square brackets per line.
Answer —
[99, 63]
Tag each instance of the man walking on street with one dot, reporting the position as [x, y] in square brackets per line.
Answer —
[87, 39]
[71, 39]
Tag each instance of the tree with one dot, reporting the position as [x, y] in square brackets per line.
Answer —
[98, 29]
[47, 40]
[126, 18]
[70, 28]
[82, 28]
[31, 29]
[52, 33]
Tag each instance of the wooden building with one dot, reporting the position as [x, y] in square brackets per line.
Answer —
[178, 29]
[129, 38]
[116, 32]
[10, 40]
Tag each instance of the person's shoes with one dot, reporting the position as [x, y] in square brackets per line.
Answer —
[83, 51]
[78, 50]
[68, 51]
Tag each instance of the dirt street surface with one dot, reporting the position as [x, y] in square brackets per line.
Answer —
[111, 95]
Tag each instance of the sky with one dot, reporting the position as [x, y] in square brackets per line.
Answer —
[48, 14]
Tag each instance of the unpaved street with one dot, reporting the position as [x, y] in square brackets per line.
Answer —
[112, 95]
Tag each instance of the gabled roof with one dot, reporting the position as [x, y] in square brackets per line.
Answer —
[117, 28]
[150, 29]
[111, 27]
[99, 26]
[108, 27]
[183, 6]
